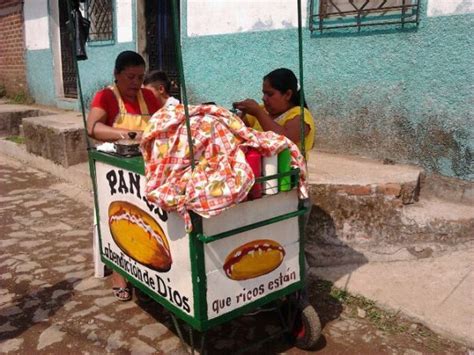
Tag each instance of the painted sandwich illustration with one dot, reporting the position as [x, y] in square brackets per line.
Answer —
[253, 259]
[139, 236]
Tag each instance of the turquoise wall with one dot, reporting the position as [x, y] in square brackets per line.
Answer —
[95, 73]
[389, 94]
[40, 76]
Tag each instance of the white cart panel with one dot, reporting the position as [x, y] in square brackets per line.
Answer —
[149, 245]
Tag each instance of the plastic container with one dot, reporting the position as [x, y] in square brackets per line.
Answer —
[284, 166]
[254, 158]
[270, 167]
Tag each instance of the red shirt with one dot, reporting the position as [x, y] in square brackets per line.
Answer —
[106, 100]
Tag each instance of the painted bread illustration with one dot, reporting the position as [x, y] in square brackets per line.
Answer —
[253, 259]
[139, 236]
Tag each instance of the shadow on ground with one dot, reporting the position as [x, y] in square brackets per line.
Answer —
[35, 307]
[237, 335]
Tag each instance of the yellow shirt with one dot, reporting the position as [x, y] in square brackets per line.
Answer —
[291, 114]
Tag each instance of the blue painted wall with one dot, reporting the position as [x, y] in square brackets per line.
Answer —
[95, 73]
[399, 95]
[40, 76]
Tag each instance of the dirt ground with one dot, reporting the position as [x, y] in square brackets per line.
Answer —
[50, 303]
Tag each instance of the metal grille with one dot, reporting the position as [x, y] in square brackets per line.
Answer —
[100, 14]
[161, 48]
[335, 14]
[67, 59]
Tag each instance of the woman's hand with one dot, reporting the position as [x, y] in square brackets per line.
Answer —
[248, 106]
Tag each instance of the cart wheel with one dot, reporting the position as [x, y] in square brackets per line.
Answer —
[307, 328]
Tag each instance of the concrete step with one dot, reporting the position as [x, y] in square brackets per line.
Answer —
[446, 188]
[11, 116]
[60, 138]
[364, 210]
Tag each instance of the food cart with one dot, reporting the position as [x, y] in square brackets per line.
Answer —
[246, 257]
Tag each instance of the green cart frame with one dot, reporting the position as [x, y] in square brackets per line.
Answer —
[197, 284]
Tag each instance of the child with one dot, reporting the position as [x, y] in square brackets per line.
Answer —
[159, 83]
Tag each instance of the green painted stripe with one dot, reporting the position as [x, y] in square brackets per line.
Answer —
[198, 270]
[301, 227]
[134, 164]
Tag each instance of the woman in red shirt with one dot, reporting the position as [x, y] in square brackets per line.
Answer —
[124, 106]
[118, 109]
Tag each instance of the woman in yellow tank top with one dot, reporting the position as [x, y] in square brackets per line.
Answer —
[280, 112]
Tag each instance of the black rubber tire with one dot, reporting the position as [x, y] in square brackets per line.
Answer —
[312, 328]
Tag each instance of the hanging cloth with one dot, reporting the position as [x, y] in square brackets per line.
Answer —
[127, 120]
[222, 177]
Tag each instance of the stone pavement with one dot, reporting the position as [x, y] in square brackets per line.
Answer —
[51, 304]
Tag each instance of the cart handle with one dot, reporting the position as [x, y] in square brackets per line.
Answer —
[292, 172]
[208, 239]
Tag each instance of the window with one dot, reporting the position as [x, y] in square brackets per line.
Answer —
[334, 14]
[100, 14]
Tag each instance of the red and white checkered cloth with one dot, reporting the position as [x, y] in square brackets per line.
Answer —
[222, 177]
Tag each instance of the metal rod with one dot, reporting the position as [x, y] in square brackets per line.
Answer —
[300, 57]
[184, 95]
[367, 11]
[368, 24]
[191, 339]
[203, 341]
[207, 239]
[403, 14]
[178, 330]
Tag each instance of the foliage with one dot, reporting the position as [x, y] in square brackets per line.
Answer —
[16, 139]
[22, 98]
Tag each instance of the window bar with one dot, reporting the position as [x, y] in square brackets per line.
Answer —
[358, 11]
[417, 12]
[403, 13]
[323, 7]
[365, 4]
[381, 6]
[382, 10]
[408, 12]
[369, 24]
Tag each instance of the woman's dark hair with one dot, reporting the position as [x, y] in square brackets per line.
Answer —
[284, 79]
[128, 59]
[160, 77]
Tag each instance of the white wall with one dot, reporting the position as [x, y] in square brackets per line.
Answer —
[124, 21]
[214, 17]
[36, 24]
[449, 7]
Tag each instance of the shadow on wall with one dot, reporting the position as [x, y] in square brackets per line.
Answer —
[438, 142]
[322, 245]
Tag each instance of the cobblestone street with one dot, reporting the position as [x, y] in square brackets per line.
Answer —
[51, 303]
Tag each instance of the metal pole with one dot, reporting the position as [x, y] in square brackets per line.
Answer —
[181, 78]
[300, 55]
